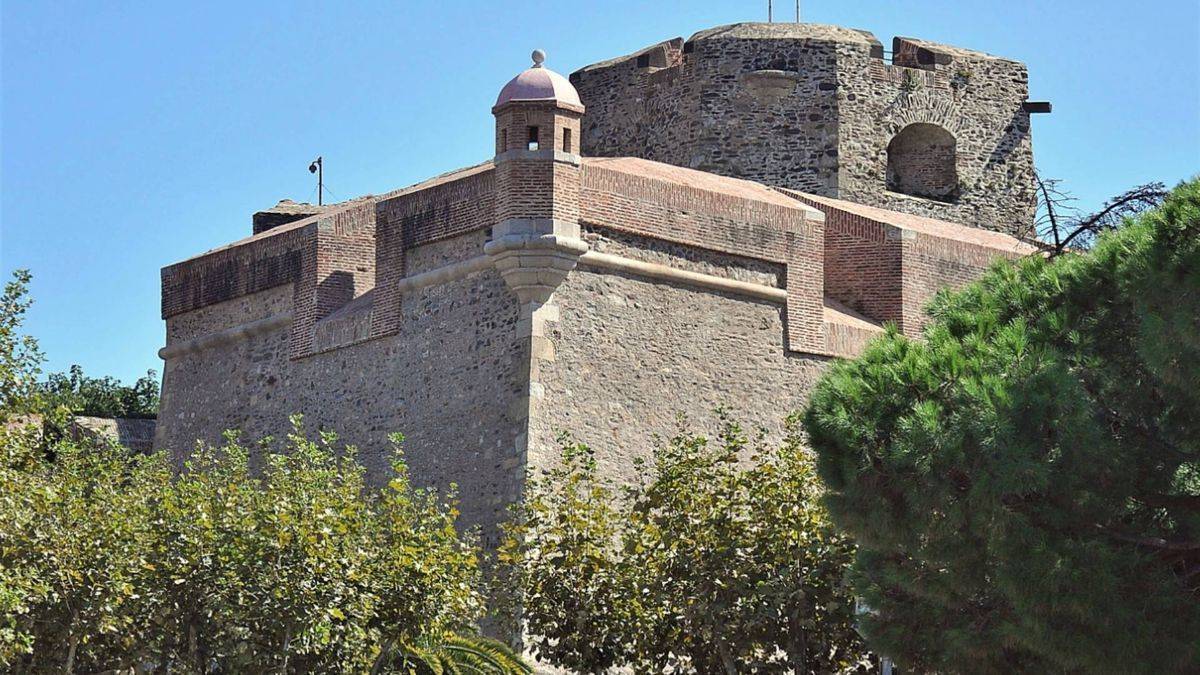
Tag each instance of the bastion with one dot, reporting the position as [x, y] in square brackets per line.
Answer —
[483, 311]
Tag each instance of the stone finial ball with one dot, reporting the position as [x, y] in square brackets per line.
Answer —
[538, 57]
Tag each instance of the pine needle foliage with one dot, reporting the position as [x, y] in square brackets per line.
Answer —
[1024, 482]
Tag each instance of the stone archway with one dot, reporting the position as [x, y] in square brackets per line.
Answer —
[921, 161]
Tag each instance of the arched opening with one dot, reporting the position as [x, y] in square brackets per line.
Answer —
[921, 163]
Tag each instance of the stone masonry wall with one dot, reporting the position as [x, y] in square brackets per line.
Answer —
[629, 354]
[813, 108]
[449, 379]
[763, 109]
[975, 97]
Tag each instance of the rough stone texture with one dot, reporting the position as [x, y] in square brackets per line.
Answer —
[628, 356]
[447, 379]
[814, 108]
[134, 433]
[481, 311]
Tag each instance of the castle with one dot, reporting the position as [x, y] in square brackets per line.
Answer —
[699, 224]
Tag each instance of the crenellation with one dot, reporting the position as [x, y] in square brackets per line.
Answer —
[814, 108]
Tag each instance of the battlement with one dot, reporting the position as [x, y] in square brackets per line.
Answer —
[826, 110]
[905, 51]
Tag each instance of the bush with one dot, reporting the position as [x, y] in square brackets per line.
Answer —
[103, 396]
[706, 566]
[111, 561]
[1024, 483]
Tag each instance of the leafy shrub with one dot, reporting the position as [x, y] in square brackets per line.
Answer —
[103, 396]
[110, 561]
[707, 566]
[114, 562]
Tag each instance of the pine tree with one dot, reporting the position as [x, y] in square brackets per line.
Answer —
[1024, 482]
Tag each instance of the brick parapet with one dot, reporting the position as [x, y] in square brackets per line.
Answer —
[804, 313]
[337, 267]
[932, 264]
[889, 272]
[328, 260]
[454, 206]
[723, 223]
[641, 205]
[254, 265]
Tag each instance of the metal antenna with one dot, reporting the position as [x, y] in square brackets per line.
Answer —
[317, 168]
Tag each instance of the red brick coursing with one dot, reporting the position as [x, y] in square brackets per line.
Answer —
[339, 268]
[890, 273]
[438, 212]
[885, 272]
[723, 223]
[336, 256]
[227, 273]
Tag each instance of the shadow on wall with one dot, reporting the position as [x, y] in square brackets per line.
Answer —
[1014, 133]
[334, 292]
[921, 162]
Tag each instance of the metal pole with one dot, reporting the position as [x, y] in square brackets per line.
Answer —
[797, 11]
[769, 19]
[320, 182]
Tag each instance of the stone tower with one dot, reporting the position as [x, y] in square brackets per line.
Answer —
[933, 130]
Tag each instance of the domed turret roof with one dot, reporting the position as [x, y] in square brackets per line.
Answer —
[539, 83]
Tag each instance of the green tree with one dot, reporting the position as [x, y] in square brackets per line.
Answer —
[720, 561]
[111, 561]
[1024, 482]
[103, 396]
[20, 358]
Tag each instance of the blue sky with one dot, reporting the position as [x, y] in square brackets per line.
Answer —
[133, 135]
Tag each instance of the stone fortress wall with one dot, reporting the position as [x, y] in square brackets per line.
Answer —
[450, 378]
[483, 311]
[815, 108]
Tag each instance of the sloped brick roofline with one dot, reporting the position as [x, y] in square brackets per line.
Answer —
[920, 224]
[440, 179]
[699, 180]
[276, 231]
[448, 177]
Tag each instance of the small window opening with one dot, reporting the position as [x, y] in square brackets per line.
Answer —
[566, 140]
[503, 140]
[533, 138]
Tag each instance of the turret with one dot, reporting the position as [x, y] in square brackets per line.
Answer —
[536, 237]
